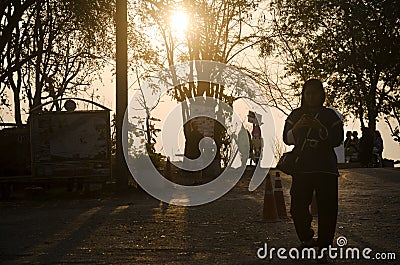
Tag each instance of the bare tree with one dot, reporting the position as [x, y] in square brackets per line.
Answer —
[353, 46]
[52, 48]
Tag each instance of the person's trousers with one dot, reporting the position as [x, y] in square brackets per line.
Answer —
[326, 187]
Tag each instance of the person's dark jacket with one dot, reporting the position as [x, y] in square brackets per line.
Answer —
[320, 155]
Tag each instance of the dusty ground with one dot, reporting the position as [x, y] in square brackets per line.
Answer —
[103, 228]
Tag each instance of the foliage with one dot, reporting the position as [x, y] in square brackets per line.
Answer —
[352, 45]
[52, 47]
[217, 31]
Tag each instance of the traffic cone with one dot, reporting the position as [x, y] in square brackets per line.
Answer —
[314, 207]
[269, 212]
[279, 198]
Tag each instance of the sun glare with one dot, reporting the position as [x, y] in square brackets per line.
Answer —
[179, 22]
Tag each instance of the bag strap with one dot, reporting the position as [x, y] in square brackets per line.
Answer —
[308, 134]
[305, 140]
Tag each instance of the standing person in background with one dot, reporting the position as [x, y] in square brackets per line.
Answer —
[356, 140]
[355, 146]
[348, 149]
[378, 148]
[318, 129]
[348, 139]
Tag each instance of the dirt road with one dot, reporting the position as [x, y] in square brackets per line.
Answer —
[104, 228]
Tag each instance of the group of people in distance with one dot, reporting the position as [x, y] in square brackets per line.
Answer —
[367, 150]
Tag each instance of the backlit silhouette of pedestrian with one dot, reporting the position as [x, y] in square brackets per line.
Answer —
[319, 129]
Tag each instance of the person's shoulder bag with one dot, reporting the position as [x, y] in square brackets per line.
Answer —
[288, 162]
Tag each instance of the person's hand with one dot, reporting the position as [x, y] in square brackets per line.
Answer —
[307, 121]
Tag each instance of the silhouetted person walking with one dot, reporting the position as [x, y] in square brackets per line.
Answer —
[317, 164]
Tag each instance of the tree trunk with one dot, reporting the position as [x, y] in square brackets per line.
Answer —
[372, 102]
[17, 107]
[37, 99]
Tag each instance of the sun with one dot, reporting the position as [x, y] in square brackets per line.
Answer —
[179, 21]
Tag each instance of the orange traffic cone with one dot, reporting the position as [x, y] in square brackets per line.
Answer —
[269, 212]
[279, 198]
[314, 207]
